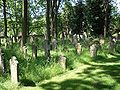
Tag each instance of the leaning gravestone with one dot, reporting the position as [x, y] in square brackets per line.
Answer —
[13, 69]
[78, 48]
[1, 62]
[34, 51]
[62, 61]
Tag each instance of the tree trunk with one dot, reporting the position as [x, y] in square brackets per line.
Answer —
[25, 22]
[106, 17]
[48, 29]
[51, 17]
[5, 19]
[55, 21]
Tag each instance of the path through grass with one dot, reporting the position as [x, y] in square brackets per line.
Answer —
[89, 76]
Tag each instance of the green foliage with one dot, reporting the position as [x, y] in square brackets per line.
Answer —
[66, 16]
[96, 16]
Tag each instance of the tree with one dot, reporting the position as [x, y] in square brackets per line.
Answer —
[78, 18]
[24, 22]
[54, 6]
[48, 30]
[107, 15]
[5, 19]
[67, 17]
[98, 15]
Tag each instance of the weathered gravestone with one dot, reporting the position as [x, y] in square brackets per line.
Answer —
[13, 69]
[1, 62]
[70, 36]
[54, 44]
[24, 51]
[6, 42]
[19, 40]
[34, 51]
[74, 40]
[62, 61]
[14, 39]
[111, 45]
[78, 48]
[31, 39]
[93, 49]
[102, 41]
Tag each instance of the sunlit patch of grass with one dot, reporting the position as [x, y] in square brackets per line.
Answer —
[10, 86]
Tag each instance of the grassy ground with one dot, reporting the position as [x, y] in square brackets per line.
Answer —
[88, 76]
[83, 72]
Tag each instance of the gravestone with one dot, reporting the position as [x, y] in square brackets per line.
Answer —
[111, 44]
[34, 51]
[78, 48]
[102, 41]
[19, 39]
[93, 50]
[78, 37]
[74, 39]
[24, 51]
[85, 35]
[1, 62]
[6, 43]
[54, 44]
[31, 39]
[13, 38]
[13, 69]
[62, 61]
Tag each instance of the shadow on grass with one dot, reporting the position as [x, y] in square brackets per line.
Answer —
[95, 77]
[102, 59]
[76, 84]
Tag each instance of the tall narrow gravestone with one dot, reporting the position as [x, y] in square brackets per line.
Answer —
[93, 50]
[34, 51]
[24, 51]
[13, 69]
[74, 40]
[1, 62]
[62, 61]
[78, 48]
[54, 44]
[111, 45]
[6, 42]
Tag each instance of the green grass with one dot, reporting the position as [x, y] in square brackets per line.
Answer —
[101, 72]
